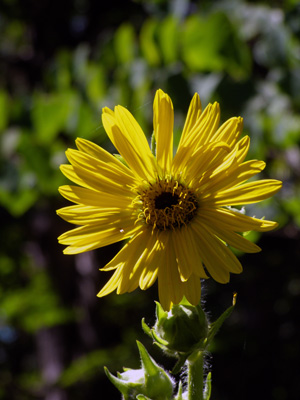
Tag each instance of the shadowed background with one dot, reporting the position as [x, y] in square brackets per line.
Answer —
[60, 63]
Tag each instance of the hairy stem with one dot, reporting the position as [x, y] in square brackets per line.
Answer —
[195, 376]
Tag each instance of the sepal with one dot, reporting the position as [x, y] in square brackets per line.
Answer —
[207, 387]
[179, 395]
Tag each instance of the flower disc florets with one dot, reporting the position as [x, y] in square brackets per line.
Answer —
[167, 204]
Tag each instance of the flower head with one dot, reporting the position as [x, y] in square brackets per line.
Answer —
[174, 210]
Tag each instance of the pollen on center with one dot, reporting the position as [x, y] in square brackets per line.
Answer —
[167, 204]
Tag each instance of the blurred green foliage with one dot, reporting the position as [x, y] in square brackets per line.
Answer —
[58, 69]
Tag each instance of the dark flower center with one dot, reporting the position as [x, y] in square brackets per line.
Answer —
[165, 200]
[167, 204]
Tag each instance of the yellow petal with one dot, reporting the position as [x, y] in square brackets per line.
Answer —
[152, 264]
[205, 127]
[206, 178]
[163, 120]
[129, 139]
[99, 153]
[242, 148]
[200, 135]
[251, 192]
[235, 221]
[131, 249]
[193, 115]
[114, 172]
[192, 289]
[230, 131]
[185, 264]
[88, 215]
[187, 253]
[169, 284]
[233, 239]
[112, 284]
[94, 198]
[96, 181]
[90, 237]
[136, 262]
[233, 176]
[204, 159]
[217, 258]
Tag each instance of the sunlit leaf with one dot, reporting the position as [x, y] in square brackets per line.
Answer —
[211, 44]
[148, 42]
[50, 114]
[35, 306]
[4, 109]
[168, 35]
[124, 39]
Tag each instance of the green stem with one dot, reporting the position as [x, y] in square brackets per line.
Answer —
[195, 376]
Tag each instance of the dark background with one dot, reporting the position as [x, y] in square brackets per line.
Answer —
[60, 63]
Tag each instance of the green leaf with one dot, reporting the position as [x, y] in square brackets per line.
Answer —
[87, 122]
[168, 39]
[35, 306]
[88, 366]
[50, 114]
[124, 43]
[148, 42]
[84, 368]
[95, 83]
[4, 110]
[201, 44]
[211, 44]
[19, 201]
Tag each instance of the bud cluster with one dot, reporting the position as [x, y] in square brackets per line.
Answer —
[183, 332]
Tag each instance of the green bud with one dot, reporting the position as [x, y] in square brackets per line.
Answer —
[150, 381]
[182, 330]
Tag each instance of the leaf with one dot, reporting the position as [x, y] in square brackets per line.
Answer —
[148, 42]
[35, 306]
[4, 110]
[124, 43]
[168, 39]
[212, 44]
[96, 83]
[50, 114]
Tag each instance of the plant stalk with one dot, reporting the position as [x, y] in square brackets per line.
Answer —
[195, 376]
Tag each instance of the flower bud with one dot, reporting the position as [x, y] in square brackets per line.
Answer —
[183, 329]
[150, 381]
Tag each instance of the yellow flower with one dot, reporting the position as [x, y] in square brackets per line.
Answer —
[175, 210]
